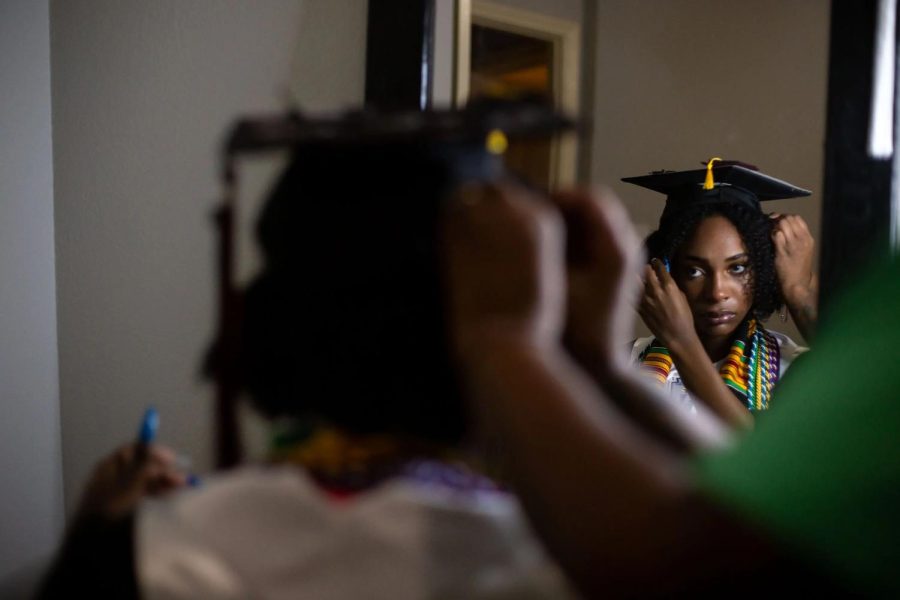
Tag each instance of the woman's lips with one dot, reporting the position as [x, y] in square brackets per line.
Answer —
[722, 317]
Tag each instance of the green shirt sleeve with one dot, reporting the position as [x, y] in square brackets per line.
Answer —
[821, 471]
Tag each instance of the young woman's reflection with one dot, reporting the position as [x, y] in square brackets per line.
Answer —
[720, 266]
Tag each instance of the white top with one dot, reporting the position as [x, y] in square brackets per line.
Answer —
[269, 532]
[674, 386]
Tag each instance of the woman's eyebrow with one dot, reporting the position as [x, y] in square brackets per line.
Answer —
[692, 258]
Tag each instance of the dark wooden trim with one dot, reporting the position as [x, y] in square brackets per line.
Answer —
[400, 54]
[856, 199]
[229, 450]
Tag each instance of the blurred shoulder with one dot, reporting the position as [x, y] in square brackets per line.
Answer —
[639, 345]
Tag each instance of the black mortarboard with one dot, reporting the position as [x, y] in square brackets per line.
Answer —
[720, 182]
[396, 165]
[474, 123]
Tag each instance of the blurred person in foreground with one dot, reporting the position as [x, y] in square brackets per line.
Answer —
[373, 487]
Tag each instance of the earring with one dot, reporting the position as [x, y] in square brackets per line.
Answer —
[783, 314]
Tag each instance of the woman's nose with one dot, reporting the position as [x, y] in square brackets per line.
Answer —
[717, 287]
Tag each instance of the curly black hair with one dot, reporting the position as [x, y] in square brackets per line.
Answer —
[755, 229]
[344, 324]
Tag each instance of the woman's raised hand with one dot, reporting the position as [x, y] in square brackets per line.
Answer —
[122, 479]
[664, 307]
[794, 250]
[604, 258]
[504, 252]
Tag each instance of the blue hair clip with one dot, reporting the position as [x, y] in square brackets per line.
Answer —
[666, 263]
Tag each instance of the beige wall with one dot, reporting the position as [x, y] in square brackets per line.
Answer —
[142, 94]
[677, 82]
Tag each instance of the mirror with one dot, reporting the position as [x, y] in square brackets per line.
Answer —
[665, 84]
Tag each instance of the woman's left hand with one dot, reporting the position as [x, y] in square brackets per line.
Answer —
[604, 262]
[794, 249]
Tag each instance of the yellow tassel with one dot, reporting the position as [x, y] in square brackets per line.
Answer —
[710, 184]
[496, 142]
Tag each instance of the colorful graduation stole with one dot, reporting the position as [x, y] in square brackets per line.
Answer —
[750, 369]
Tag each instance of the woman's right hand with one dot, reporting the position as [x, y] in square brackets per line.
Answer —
[666, 312]
[664, 307]
[121, 480]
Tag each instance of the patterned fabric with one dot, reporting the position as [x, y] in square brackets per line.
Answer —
[656, 362]
[344, 464]
[750, 370]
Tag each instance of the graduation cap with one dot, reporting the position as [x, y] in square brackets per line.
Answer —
[381, 174]
[487, 121]
[720, 182]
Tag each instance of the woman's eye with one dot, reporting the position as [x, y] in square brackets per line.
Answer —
[739, 269]
[693, 272]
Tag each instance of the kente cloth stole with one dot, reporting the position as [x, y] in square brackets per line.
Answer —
[749, 374]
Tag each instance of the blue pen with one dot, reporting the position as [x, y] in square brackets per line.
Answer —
[147, 433]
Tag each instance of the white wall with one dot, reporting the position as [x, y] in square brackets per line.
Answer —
[31, 496]
[142, 94]
[679, 82]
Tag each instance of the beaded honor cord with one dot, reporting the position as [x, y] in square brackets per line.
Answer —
[750, 375]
